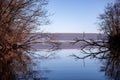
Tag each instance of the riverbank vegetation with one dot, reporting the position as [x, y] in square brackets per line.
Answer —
[108, 48]
[18, 18]
[110, 27]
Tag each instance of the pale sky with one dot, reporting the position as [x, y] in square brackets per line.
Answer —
[75, 16]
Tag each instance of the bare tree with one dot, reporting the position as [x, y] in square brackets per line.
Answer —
[107, 47]
[18, 19]
[110, 25]
[110, 19]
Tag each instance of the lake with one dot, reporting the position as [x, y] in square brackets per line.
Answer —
[58, 64]
[62, 66]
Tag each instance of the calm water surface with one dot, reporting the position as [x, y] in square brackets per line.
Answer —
[62, 66]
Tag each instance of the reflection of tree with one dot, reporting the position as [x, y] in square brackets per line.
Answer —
[5, 72]
[108, 47]
[18, 18]
[111, 66]
[22, 67]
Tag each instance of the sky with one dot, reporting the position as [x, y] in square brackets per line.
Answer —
[74, 16]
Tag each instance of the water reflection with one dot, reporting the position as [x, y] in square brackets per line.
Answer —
[111, 65]
[18, 60]
[64, 67]
[19, 65]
